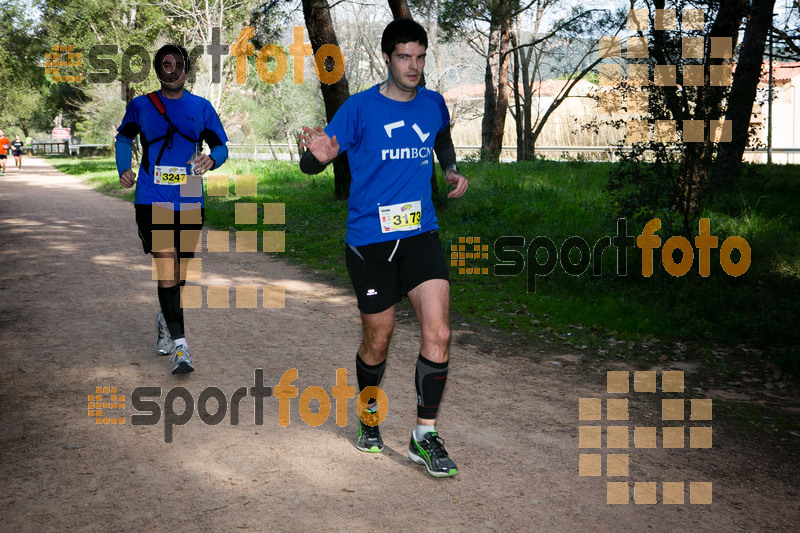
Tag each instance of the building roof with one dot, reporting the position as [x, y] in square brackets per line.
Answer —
[781, 72]
[462, 92]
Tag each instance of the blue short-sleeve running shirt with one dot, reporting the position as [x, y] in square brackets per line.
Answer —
[195, 119]
[389, 147]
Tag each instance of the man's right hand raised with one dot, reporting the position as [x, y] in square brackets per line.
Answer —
[322, 147]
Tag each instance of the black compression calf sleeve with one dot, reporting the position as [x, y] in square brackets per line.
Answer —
[369, 375]
[430, 379]
[170, 300]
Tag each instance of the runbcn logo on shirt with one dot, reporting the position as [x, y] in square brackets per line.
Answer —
[406, 153]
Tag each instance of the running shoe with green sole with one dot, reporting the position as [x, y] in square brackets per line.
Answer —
[431, 453]
[369, 437]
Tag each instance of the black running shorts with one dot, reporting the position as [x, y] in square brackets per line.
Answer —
[383, 273]
[186, 221]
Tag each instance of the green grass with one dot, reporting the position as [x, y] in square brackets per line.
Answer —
[100, 173]
[314, 222]
[560, 200]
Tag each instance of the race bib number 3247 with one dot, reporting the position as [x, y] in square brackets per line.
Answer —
[166, 175]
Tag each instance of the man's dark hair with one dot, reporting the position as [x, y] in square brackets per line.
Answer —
[401, 31]
[171, 49]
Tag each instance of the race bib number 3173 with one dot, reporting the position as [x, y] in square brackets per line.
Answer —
[400, 217]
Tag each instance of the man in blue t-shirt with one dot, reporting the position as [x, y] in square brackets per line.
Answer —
[171, 124]
[392, 243]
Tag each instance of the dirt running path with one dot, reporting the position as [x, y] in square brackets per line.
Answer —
[76, 312]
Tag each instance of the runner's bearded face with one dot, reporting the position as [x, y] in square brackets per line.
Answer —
[172, 72]
[406, 65]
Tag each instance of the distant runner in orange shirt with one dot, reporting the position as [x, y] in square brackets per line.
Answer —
[5, 144]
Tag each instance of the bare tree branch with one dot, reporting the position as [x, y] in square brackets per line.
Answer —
[556, 28]
[788, 40]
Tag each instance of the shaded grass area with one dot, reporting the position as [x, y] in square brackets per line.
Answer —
[558, 201]
[100, 173]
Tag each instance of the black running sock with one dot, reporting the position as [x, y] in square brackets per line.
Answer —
[170, 300]
[368, 375]
[430, 379]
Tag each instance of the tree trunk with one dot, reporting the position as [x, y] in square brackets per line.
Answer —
[320, 31]
[527, 108]
[399, 9]
[523, 59]
[495, 102]
[517, 99]
[523, 102]
[727, 24]
[743, 91]
[698, 156]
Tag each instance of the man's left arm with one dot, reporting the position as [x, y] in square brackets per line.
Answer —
[218, 155]
[446, 154]
[215, 137]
